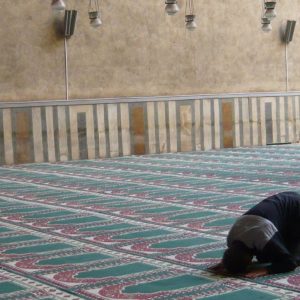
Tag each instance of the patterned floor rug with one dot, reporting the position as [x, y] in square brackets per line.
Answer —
[139, 227]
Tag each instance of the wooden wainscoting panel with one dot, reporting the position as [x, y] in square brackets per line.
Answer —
[186, 128]
[236, 120]
[101, 131]
[50, 134]
[37, 135]
[151, 126]
[125, 129]
[23, 135]
[246, 122]
[82, 132]
[138, 129]
[62, 135]
[297, 118]
[173, 125]
[282, 121]
[290, 119]
[7, 137]
[217, 124]
[207, 124]
[162, 126]
[227, 117]
[112, 114]
[2, 147]
[254, 122]
[198, 144]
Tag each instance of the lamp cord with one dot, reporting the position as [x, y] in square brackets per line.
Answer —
[66, 70]
[286, 67]
[189, 7]
[96, 4]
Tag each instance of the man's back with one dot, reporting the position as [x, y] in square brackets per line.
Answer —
[282, 209]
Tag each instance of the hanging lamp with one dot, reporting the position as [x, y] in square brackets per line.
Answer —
[171, 7]
[94, 13]
[58, 5]
[270, 12]
[190, 16]
[266, 24]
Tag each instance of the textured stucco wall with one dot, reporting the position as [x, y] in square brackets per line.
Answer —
[140, 51]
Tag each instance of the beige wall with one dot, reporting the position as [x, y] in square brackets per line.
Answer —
[139, 51]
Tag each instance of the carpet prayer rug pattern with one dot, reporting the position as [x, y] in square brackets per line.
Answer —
[138, 227]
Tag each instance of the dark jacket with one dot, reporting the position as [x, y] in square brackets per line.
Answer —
[283, 211]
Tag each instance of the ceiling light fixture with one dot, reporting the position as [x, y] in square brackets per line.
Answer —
[270, 12]
[266, 24]
[58, 5]
[190, 16]
[171, 7]
[94, 13]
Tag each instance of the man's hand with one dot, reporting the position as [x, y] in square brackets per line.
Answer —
[218, 269]
[256, 273]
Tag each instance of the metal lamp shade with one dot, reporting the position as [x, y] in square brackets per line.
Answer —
[270, 10]
[190, 22]
[171, 7]
[58, 5]
[266, 25]
[95, 20]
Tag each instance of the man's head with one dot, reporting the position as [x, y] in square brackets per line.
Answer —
[237, 258]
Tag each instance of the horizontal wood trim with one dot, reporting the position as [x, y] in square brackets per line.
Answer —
[144, 99]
